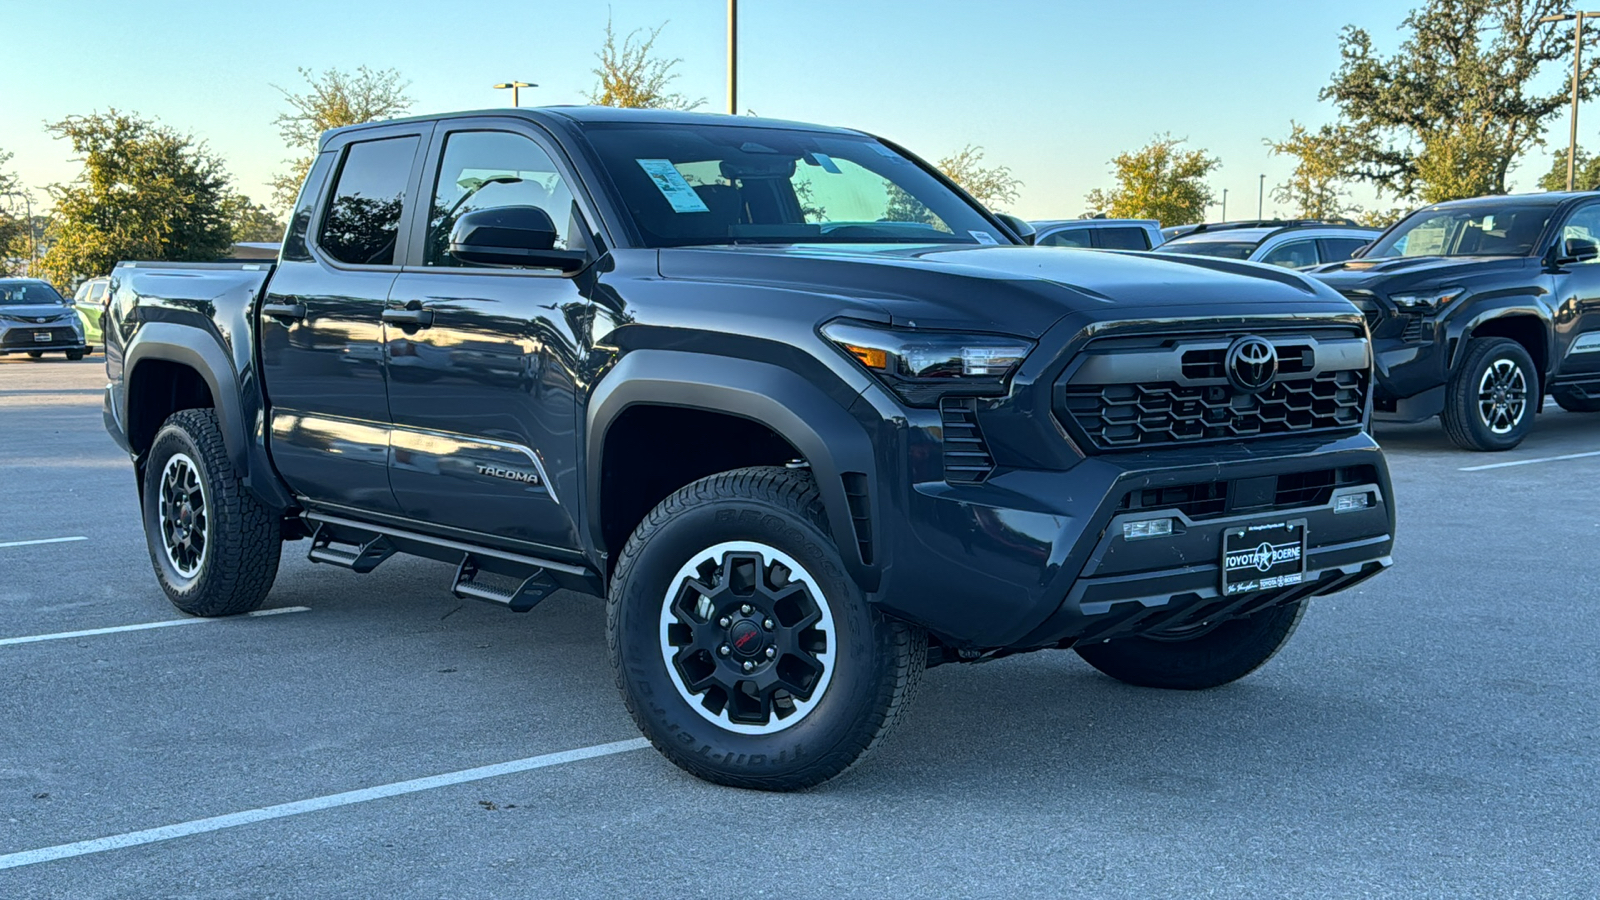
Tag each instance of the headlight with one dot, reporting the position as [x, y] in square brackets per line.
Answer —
[1429, 302]
[923, 366]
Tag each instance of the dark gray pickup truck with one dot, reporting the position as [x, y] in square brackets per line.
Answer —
[808, 416]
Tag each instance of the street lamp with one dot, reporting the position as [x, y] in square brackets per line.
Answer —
[516, 88]
[1577, 63]
[1224, 204]
[1261, 198]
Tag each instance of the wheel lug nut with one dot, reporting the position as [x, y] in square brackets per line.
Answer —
[771, 652]
[724, 650]
[723, 621]
[748, 665]
[766, 623]
[745, 609]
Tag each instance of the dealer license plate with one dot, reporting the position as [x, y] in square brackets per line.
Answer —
[1263, 557]
[41, 335]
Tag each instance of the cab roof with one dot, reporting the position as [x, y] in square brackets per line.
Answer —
[584, 115]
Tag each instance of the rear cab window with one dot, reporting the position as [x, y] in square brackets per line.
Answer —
[362, 224]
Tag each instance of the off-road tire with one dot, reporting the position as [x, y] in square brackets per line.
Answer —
[1224, 654]
[1573, 400]
[1463, 421]
[877, 661]
[242, 540]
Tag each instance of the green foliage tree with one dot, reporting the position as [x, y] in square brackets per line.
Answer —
[1160, 181]
[631, 75]
[146, 191]
[332, 99]
[1451, 111]
[251, 222]
[14, 223]
[993, 186]
[1316, 189]
[1586, 175]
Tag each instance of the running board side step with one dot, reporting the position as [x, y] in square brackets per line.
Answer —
[363, 559]
[525, 596]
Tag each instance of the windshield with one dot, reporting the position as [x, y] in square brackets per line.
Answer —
[1224, 249]
[729, 184]
[27, 293]
[1510, 230]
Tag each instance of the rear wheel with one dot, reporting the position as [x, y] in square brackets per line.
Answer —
[1196, 661]
[742, 648]
[214, 547]
[1491, 398]
[1574, 400]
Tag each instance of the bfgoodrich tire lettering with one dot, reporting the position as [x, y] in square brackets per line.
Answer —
[767, 514]
[1211, 658]
[214, 547]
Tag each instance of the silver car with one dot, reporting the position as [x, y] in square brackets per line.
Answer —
[1293, 245]
[36, 320]
[1101, 234]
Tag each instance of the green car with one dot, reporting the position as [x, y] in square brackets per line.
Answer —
[90, 302]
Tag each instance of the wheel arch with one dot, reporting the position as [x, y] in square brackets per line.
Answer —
[773, 400]
[1525, 326]
[165, 366]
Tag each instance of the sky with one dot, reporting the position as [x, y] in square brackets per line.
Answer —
[1052, 89]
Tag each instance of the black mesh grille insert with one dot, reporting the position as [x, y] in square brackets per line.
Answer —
[1209, 499]
[966, 456]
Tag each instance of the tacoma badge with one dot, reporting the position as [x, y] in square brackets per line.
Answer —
[509, 474]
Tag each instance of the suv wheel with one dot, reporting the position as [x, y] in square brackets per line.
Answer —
[742, 648]
[1193, 660]
[74, 355]
[214, 547]
[1574, 400]
[1491, 398]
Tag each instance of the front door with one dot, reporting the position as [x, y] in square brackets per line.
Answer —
[1577, 300]
[481, 383]
[321, 322]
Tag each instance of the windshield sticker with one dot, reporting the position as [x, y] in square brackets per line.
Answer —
[827, 163]
[983, 237]
[670, 182]
[884, 151]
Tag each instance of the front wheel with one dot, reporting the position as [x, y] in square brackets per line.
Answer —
[743, 649]
[1491, 398]
[215, 548]
[35, 354]
[74, 355]
[1207, 659]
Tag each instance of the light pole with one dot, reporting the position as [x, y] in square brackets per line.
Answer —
[1261, 198]
[516, 90]
[733, 57]
[1224, 204]
[33, 242]
[1577, 64]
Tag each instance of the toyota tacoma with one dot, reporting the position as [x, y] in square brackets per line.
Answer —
[808, 417]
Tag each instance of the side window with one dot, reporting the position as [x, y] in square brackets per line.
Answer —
[362, 223]
[1072, 237]
[1293, 255]
[1583, 225]
[97, 293]
[1340, 249]
[1124, 239]
[490, 170]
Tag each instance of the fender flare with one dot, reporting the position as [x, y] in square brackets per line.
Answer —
[170, 342]
[831, 440]
[1462, 330]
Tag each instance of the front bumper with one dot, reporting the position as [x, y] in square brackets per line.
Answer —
[1034, 558]
[24, 338]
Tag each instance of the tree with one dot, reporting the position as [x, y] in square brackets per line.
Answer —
[1159, 181]
[993, 186]
[146, 191]
[332, 99]
[1586, 176]
[1316, 190]
[251, 222]
[1450, 113]
[633, 76]
[14, 224]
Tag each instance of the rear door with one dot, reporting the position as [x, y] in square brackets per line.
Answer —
[1340, 249]
[321, 321]
[482, 389]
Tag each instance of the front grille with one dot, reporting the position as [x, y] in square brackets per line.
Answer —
[1121, 416]
[1211, 499]
[23, 335]
[966, 454]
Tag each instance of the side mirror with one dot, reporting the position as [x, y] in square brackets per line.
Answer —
[1357, 253]
[521, 236]
[1578, 250]
[1023, 229]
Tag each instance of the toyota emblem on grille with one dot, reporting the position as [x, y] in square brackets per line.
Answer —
[1252, 363]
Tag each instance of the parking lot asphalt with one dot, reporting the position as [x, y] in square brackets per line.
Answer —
[1432, 733]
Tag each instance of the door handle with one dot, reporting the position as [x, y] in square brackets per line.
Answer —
[413, 318]
[284, 310]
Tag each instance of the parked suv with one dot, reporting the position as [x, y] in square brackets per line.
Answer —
[36, 320]
[1293, 245]
[1102, 234]
[810, 417]
[1479, 308]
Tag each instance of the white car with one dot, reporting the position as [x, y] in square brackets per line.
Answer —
[1293, 245]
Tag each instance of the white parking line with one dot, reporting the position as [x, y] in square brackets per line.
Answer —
[42, 541]
[1528, 462]
[316, 804]
[172, 623]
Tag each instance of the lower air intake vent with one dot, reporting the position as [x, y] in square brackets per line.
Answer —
[966, 456]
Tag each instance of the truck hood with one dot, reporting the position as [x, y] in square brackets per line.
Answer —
[1402, 273]
[1010, 289]
[35, 311]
